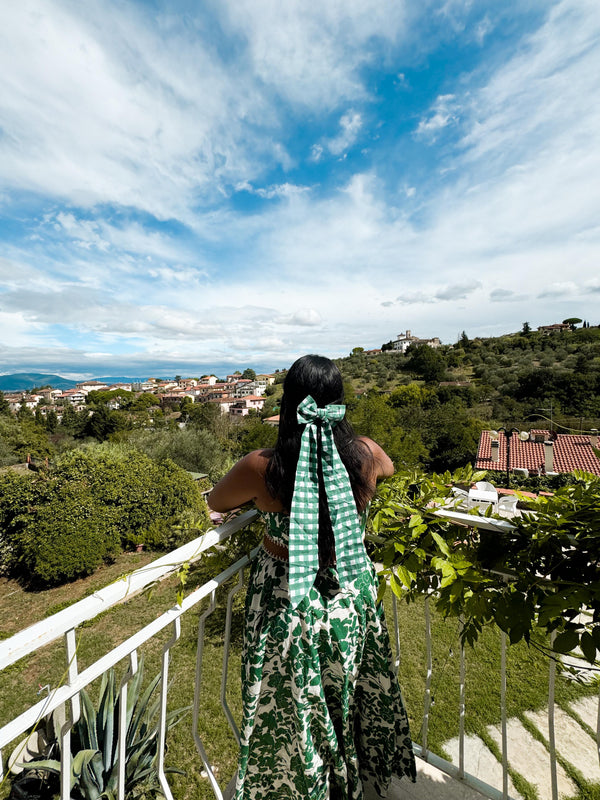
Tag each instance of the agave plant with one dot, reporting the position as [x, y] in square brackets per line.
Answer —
[94, 743]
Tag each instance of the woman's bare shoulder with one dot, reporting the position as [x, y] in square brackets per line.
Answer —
[382, 463]
[258, 460]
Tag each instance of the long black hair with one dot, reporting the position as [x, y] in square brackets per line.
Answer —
[319, 377]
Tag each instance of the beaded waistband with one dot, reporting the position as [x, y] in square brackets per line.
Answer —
[275, 549]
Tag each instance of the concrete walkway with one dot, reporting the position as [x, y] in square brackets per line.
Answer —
[530, 757]
[432, 784]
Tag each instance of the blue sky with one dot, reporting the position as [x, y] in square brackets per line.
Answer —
[239, 182]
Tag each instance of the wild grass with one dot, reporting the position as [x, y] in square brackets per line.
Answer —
[527, 668]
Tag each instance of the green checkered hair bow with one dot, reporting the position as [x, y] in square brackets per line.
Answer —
[351, 556]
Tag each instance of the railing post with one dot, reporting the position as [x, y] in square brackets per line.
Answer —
[65, 732]
[551, 731]
[196, 712]
[503, 715]
[162, 724]
[226, 643]
[461, 716]
[123, 722]
[427, 704]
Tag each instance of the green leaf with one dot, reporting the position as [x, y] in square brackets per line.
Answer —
[397, 587]
[441, 543]
[49, 765]
[404, 575]
[381, 589]
[86, 725]
[106, 719]
[566, 641]
[588, 646]
[78, 765]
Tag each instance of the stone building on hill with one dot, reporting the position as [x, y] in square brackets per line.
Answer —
[404, 340]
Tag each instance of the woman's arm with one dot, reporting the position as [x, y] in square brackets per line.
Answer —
[242, 484]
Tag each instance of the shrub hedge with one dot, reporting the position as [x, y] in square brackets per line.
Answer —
[64, 523]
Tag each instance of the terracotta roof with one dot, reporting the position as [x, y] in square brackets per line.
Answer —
[571, 452]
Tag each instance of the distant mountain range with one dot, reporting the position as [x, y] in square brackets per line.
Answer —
[21, 381]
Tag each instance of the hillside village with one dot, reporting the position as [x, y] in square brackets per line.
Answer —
[236, 396]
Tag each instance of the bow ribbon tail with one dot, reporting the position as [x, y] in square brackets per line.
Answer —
[351, 556]
[304, 520]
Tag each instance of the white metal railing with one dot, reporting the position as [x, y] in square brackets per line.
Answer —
[64, 625]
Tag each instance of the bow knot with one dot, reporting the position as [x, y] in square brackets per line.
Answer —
[351, 556]
[308, 412]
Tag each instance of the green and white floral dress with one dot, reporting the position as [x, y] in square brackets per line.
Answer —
[320, 698]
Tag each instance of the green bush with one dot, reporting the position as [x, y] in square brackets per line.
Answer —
[92, 503]
[67, 533]
[16, 493]
[22, 438]
[192, 448]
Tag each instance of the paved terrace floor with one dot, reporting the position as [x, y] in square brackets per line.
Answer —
[432, 784]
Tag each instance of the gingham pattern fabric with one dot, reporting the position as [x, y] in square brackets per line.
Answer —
[350, 552]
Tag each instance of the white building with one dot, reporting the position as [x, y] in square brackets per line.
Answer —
[404, 341]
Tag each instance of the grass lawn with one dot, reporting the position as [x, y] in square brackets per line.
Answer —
[527, 669]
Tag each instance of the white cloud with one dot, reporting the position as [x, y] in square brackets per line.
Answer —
[444, 112]
[482, 28]
[281, 190]
[84, 232]
[122, 122]
[123, 115]
[304, 317]
[543, 92]
[560, 289]
[350, 125]
[592, 285]
[312, 54]
[446, 293]
[505, 296]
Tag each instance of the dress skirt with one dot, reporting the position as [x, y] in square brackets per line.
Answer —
[322, 707]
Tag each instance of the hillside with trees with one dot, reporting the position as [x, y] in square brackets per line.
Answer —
[427, 407]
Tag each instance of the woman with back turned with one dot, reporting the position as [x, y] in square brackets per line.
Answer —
[323, 714]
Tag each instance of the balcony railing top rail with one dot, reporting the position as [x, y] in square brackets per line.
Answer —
[52, 628]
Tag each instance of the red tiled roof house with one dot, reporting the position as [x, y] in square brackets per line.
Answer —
[540, 453]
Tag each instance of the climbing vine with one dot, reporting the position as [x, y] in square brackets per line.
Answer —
[541, 573]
